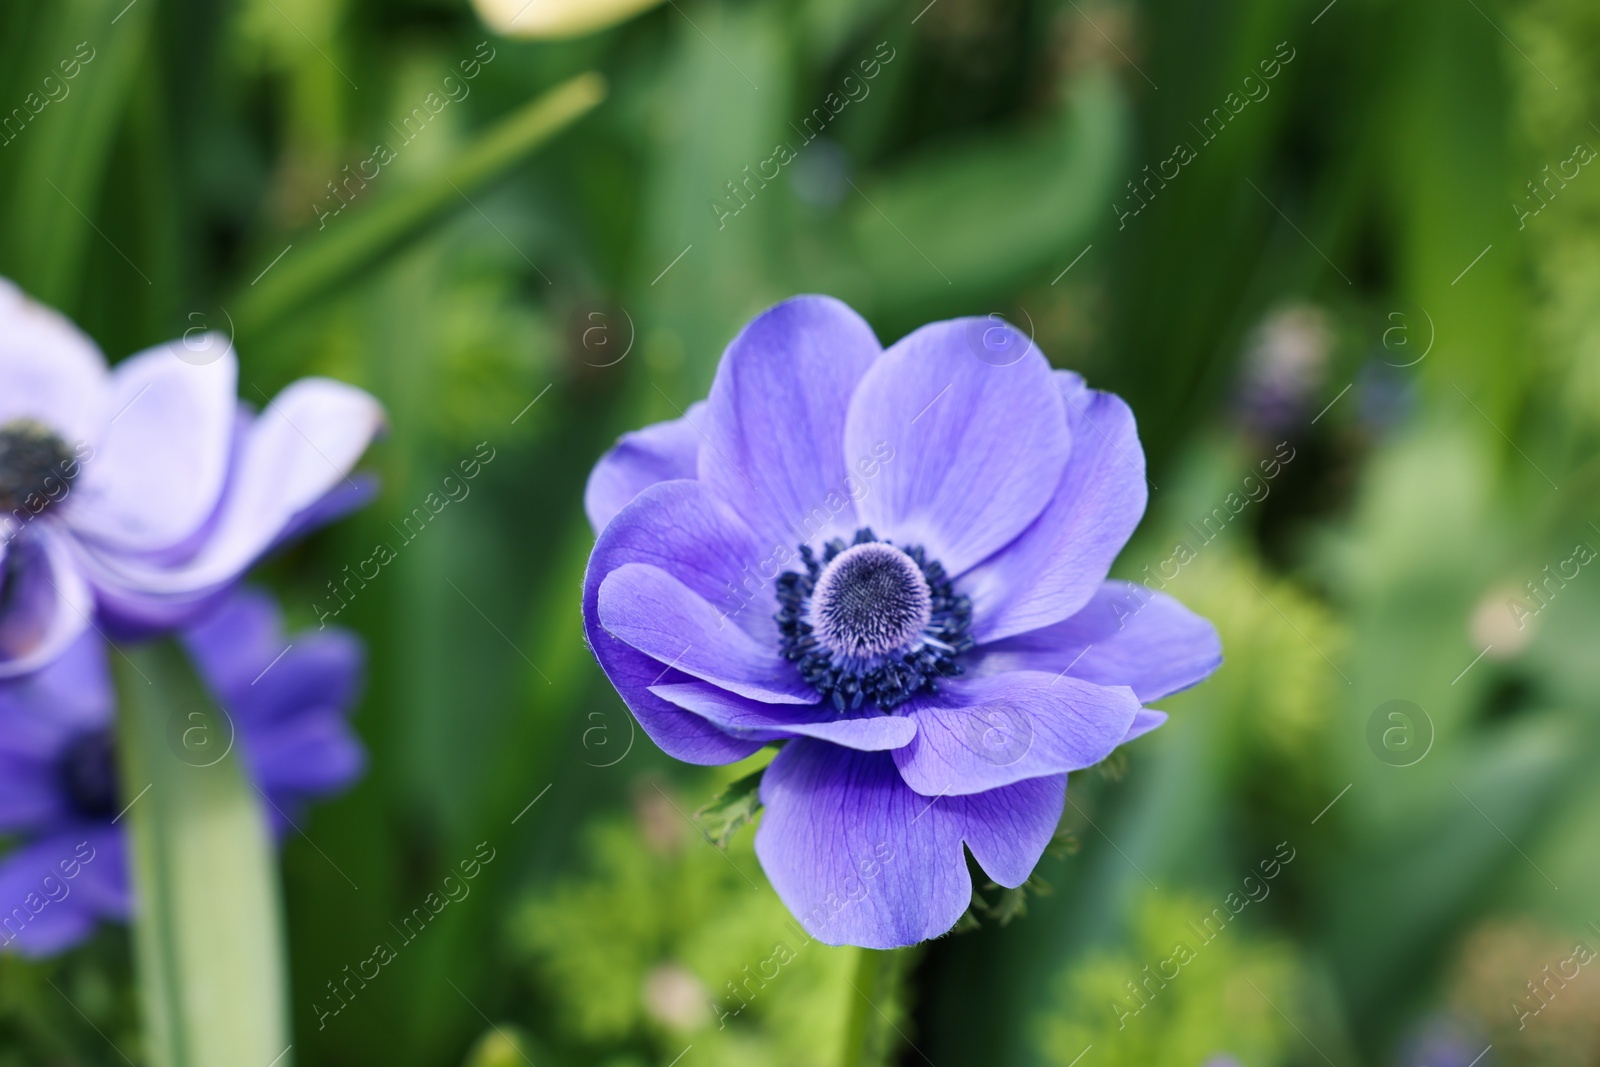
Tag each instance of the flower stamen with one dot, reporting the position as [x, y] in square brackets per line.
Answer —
[36, 466]
[88, 775]
[871, 621]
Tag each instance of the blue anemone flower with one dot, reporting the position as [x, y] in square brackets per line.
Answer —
[893, 562]
[287, 701]
[139, 494]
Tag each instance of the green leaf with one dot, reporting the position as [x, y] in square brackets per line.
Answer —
[207, 927]
[313, 267]
[55, 166]
[730, 809]
[991, 212]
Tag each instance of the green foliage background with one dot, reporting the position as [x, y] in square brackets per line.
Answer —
[510, 280]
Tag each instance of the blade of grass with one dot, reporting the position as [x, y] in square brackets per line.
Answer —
[57, 162]
[322, 265]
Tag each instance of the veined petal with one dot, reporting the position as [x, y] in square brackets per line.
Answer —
[1126, 635]
[683, 528]
[160, 466]
[861, 859]
[679, 526]
[1147, 719]
[978, 443]
[664, 452]
[776, 443]
[978, 734]
[1008, 829]
[666, 620]
[869, 731]
[1058, 562]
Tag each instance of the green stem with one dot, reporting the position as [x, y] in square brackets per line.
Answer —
[350, 250]
[858, 1024]
[207, 928]
[876, 1000]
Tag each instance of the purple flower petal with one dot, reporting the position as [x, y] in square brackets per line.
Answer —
[301, 447]
[263, 676]
[34, 925]
[309, 753]
[685, 530]
[29, 795]
[103, 880]
[44, 602]
[287, 695]
[310, 670]
[860, 859]
[978, 446]
[856, 856]
[666, 620]
[1147, 719]
[39, 714]
[236, 642]
[1056, 565]
[355, 492]
[983, 733]
[45, 912]
[664, 452]
[776, 448]
[162, 460]
[73, 691]
[1126, 635]
[1008, 829]
[682, 527]
[50, 372]
[868, 731]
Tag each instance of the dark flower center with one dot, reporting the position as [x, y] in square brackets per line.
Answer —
[871, 621]
[36, 466]
[87, 773]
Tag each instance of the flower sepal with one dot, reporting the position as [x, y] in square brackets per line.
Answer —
[730, 809]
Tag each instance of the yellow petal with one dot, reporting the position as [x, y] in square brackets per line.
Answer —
[556, 18]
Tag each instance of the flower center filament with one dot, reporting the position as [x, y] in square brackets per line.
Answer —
[36, 466]
[88, 775]
[870, 600]
[871, 621]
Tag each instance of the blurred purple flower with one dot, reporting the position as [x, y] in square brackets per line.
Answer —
[935, 523]
[1443, 1040]
[147, 490]
[1284, 366]
[59, 790]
